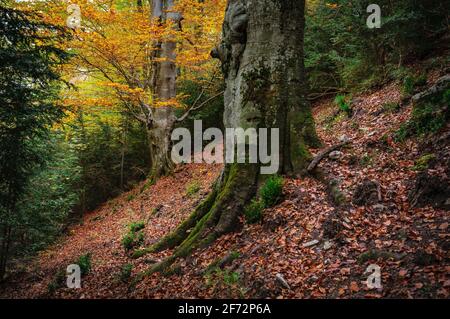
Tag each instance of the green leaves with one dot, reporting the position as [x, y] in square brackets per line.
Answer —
[253, 212]
[271, 192]
[29, 83]
[344, 105]
[342, 52]
[135, 235]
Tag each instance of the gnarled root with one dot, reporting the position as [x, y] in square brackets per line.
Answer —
[217, 215]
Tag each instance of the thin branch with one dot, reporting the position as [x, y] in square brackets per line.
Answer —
[186, 114]
[324, 153]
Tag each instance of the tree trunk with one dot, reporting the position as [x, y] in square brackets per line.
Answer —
[262, 60]
[159, 133]
[163, 82]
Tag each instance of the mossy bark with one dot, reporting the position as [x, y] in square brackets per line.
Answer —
[262, 60]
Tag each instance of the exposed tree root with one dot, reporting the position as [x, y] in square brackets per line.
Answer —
[216, 216]
[176, 237]
[335, 195]
[319, 157]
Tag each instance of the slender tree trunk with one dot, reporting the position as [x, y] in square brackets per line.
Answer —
[262, 60]
[163, 82]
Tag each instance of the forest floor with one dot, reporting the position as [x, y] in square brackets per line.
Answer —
[294, 241]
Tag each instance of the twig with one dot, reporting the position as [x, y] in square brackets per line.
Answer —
[319, 157]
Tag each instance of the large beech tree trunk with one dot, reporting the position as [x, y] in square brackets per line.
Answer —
[262, 61]
[163, 82]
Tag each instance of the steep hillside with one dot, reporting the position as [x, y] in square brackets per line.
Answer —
[317, 243]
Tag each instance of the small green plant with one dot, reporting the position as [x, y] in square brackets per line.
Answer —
[125, 272]
[408, 85]
[131, 240]
[411, 82]
[423, 162]
[59, 280]
[342, 101]
[254, 211]
[128, 241]
[192, 188]
[427, 118]
[84, 261]
[130, 197]
[137, 226]
[271, 192]
[235, 255]
[230, 280]
[135, 235]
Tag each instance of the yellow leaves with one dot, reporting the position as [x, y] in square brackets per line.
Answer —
[332, 5]
[116, 46]
[168, 103]
[124, 88]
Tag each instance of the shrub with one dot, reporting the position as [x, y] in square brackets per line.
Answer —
[125, 272]
[408, 85]
[428, 117]
[131, 240]
[344, 105]
[137, 226]
[253, 212]
[135, 235]
[192, 188]
[271, 191]
[84, 261]
[411, 83]
[59, 279]
[128, 241]
[230, 278]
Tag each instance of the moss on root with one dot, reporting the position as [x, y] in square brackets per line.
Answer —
[181, 232]
[302, 135]
[219, 215]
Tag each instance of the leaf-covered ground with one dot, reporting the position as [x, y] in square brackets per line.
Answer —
[409, 244]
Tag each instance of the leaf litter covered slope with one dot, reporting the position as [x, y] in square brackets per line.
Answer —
[316, 260]
[318, 250]
[162, 206]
